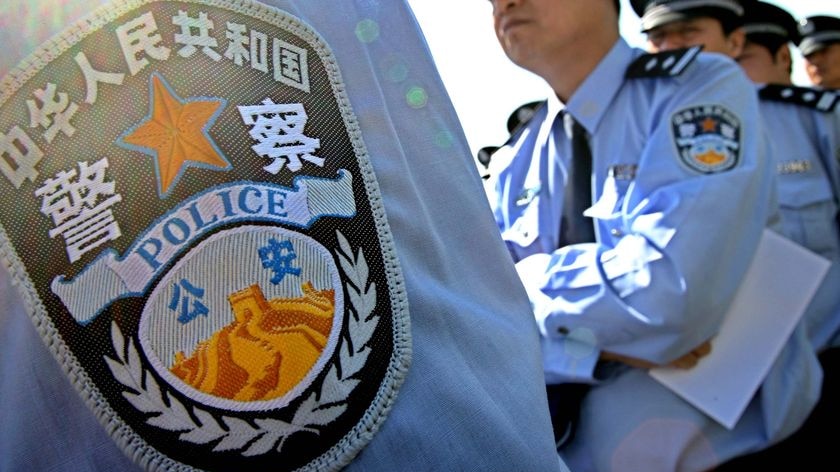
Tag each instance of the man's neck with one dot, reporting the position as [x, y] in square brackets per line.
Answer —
[569, 68]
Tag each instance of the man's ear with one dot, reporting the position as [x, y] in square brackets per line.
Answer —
[735, 42]
[784, 58]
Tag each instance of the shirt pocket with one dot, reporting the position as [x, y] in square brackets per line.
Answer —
[814, 226]
[808, 209]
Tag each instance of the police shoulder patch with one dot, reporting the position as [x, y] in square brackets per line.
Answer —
[707, 138]
[817, 99]
[211, 264]
[662, 64]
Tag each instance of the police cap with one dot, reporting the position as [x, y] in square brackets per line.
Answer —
[522, 115]
[769, 25]
[655, 13]
[818, 32]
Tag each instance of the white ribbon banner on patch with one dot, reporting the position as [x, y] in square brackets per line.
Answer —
[110, 278]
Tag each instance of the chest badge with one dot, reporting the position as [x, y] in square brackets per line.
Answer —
[191, 214]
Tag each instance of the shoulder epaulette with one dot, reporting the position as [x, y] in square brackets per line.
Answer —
[822, 100]
[662, 64]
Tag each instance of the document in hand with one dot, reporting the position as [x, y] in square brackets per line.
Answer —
[778, 287]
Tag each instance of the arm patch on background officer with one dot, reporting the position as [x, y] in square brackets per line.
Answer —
[707, 137]
[822, 100]
[662, 64]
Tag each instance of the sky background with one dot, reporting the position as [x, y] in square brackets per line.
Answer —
[485, 87]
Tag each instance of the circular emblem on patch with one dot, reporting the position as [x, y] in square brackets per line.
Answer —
[187, 190]
[707, 137]
[252, 348]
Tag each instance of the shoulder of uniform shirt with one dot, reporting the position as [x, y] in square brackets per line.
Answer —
[808, 97]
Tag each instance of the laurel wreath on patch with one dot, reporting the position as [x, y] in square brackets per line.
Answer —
[201, 427]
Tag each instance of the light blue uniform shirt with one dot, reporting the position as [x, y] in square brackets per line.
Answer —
[806, 163]
[673, 242]
[629, 421]
[474, 396]
[622, 433]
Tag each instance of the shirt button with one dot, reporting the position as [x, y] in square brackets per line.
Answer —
[616, 232]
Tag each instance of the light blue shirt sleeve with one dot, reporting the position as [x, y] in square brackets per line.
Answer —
[625, 420]
[473, 397]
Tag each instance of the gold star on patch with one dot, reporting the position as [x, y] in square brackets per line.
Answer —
[175, 133]
[709, 125]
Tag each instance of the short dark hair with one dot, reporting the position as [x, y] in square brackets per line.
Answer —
[770, 26]
[771, 42]
[730, 23]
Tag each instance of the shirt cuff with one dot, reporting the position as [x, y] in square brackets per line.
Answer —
[569, 360]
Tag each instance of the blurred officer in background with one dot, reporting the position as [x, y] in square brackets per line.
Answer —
[820, 47]
[767, 56]
[612, 200]
[222, 248]
[675, 24]
[804, 124]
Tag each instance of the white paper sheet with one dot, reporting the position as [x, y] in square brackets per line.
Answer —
[780, 283]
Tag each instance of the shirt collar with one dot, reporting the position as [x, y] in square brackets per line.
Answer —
[592, 99]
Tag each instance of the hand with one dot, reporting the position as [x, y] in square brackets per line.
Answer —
[686, 361]
[691, 359]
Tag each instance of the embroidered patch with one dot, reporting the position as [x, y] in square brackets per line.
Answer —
[707, 137]
[190, 211]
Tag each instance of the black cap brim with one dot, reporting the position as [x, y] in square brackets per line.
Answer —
[727, 12]
[812, 44]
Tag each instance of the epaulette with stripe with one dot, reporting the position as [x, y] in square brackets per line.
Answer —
[822, 100]
[662, 64]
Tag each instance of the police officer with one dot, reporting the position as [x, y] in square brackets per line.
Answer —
[820, 47]
[210, 257]
[615, 272]
[673, 24]
[696, 441]
[805, 124]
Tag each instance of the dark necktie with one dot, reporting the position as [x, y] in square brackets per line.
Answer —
[576, 228]
[564, 400]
